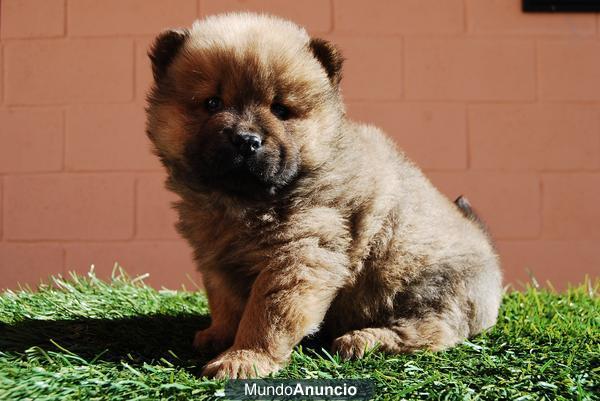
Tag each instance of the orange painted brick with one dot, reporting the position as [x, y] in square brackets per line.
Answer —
[32, 18]
[28, 264]
[31, 140]
[1, 72]
[560, 262]
[127, 17]
[1, 206]
[108, 137]
[314, 15]
[398, 16]
[155, 215]
[469, 69]
[47, 72]
[367, 74]
[143, 69]
[508, 202]
[70, 207]
[571, 207]
[569, 69]
[550, 137]
[432, 134]
[506, 17]
[169, 263]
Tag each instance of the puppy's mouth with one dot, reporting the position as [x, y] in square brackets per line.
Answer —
[259, 174]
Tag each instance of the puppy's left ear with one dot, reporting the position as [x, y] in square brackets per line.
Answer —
[166, 46]
[330, 58]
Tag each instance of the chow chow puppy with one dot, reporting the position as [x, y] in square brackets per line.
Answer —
[300, 219]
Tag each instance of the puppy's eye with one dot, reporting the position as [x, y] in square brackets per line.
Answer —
[280, 111]
[213, 104]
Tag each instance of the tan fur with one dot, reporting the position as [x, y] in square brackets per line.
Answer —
[331, 227]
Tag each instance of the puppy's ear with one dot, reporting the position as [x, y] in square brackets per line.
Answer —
[165, 48]
[330, 58]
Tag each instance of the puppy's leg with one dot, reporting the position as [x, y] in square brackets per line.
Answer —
[440, 308]
[226, 311]
[288, 301]
[403, 336]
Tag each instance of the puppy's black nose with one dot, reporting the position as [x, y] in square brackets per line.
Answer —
[247, 142]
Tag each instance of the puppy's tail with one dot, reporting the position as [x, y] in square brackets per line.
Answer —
[466, 209]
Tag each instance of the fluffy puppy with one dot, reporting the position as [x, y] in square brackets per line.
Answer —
[299, 218]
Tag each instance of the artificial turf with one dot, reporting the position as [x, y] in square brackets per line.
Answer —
[83, 338]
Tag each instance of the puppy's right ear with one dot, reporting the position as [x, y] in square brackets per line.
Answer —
[166, 46]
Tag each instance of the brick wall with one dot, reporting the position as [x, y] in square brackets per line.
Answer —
[501, 106]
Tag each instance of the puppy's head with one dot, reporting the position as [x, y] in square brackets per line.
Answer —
[243, 104]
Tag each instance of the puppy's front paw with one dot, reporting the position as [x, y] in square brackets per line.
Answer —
[212, 340]
[353, 345]
[240, 364]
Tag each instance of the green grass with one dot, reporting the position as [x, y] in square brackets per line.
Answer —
[83, 338]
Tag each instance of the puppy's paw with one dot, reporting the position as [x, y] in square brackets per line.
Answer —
[240, 364]
[212, 340]
[353, 345]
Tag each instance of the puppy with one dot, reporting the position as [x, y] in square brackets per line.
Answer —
[299, 218]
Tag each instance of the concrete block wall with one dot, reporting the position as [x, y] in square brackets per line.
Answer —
[498, 105]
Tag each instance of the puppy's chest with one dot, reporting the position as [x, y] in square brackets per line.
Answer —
[242, 246]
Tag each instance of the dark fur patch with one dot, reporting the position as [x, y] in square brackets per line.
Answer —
[428, 294]
[330, 58]
[467, 210]
[165, 48]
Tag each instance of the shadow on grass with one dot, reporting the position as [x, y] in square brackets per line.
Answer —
[135, 340]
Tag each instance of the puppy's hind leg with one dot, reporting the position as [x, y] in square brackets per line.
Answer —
[402, 336]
